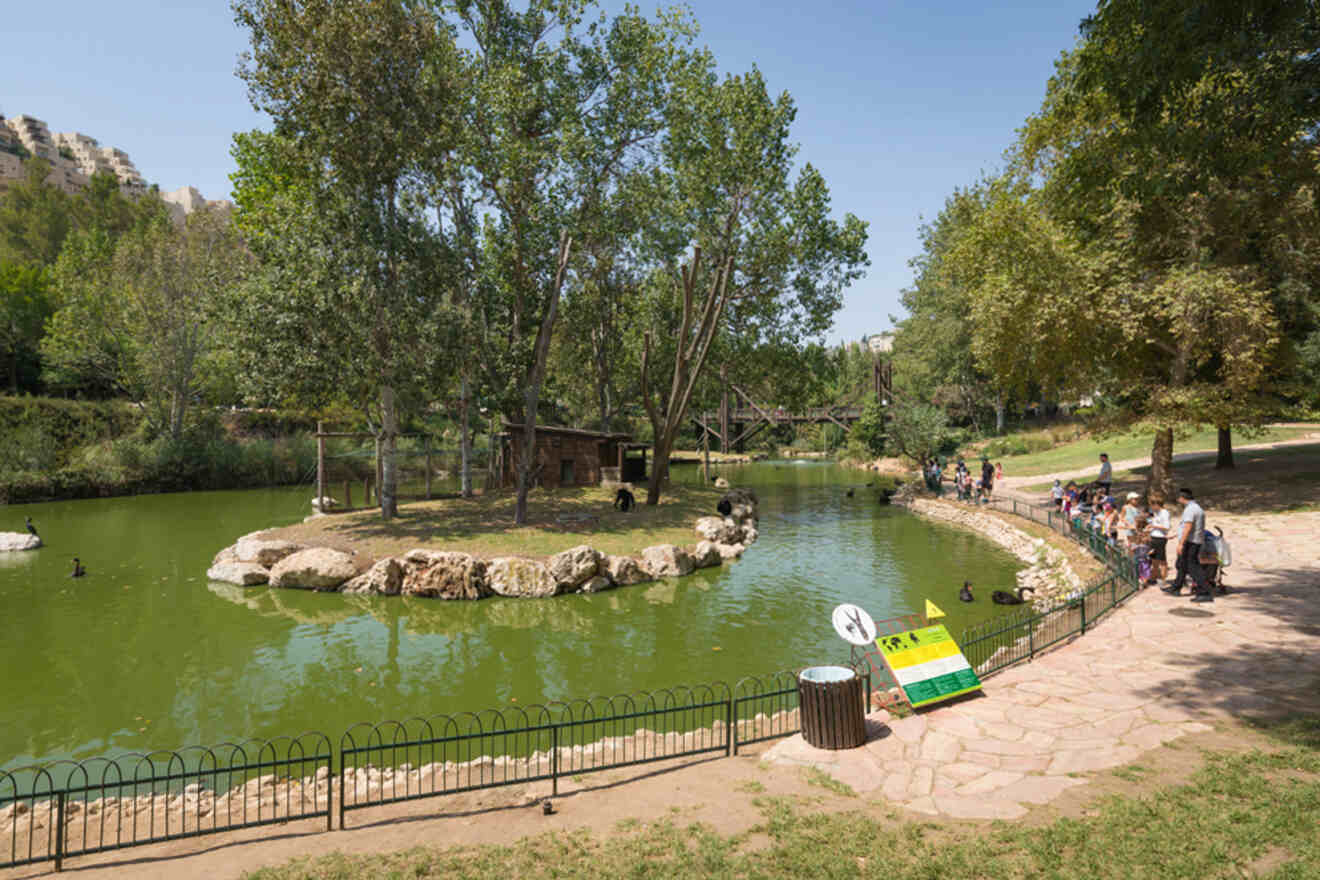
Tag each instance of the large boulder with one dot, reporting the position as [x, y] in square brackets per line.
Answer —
[721, 530]
[13, 542]
[385, 578]
[707, 555]
[623, 571]
[520, 578]
[666, 560]
[730, 551]
[750, 534]
[596, 584]
[574, 567]
[244, 574]
[438, 574]
[229, 554]
[264, 551]
[317, 568]
[721, 483]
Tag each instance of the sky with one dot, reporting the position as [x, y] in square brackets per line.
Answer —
[899, 103]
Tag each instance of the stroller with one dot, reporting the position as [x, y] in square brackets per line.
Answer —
[1216, 555]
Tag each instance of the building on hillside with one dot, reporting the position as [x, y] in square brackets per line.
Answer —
[571, 457]
[186, 199]
[35, 138]
[879, 343]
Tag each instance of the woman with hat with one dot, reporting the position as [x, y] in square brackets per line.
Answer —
[1130, 513]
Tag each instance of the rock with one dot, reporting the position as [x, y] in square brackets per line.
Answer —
[730, 551]
[623, 571]
[324, 503]
[750, 534]
[743, 496]
[229, 554]
[14, 542]
[264, 551]
[663, 560]
[521, 578]
[317, 568]
[444, 575]
[244, 574]
[721, 530]
[742, 512]
[574, 567]
[596, 584]
[707, 555]
[721, 483]
[385, 578]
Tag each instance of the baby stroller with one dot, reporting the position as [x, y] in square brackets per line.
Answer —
[1216, 555]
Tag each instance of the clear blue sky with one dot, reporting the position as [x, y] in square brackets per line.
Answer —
[898, 102]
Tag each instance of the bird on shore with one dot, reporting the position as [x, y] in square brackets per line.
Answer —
[78, 570]
[31, 528]
[1003, 597]
[965, 593]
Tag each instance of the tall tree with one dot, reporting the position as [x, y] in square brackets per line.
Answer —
[358, 90]
[25, 304]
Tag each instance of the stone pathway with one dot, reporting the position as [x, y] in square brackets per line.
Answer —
[1155, 669]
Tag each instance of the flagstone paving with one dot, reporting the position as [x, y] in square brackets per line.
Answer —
[1156, 668]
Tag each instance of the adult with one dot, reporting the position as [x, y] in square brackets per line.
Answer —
[987, 477]
[1129, 518]
[1191, 534]
[1159, 537]
[1106, 479]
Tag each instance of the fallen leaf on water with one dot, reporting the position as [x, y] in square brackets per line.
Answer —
[717, 648]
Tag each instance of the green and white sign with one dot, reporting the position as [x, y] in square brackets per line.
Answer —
[928, 665]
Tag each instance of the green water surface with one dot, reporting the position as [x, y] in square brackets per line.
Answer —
[144, 653]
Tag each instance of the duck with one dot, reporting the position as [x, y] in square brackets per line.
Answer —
[1003, 597]
[965, 593]
[31, 528]
[78, 570]
[849, 493]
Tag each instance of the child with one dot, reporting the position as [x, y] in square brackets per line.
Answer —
[1139, 542]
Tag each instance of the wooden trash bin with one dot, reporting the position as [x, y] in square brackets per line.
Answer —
[831, 707]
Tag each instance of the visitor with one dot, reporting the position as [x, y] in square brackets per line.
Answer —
[1111, 519]
[1191, 534]
[1056, 495]
[1139, 547]
[999, 472]
[1159, 538]
[1129, 519]
[987, 477]
[1106, 479]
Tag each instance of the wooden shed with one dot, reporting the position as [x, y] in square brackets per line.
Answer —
[570, 457]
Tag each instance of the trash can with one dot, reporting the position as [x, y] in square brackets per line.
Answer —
[831, 706]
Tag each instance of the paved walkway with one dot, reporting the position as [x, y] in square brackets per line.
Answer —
[1155, 669]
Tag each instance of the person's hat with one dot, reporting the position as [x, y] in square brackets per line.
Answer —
[1132, 496]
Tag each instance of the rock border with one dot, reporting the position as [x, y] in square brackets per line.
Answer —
[1048, 571]
[254, 560]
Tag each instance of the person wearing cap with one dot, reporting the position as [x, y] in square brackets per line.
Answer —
[1191, 534]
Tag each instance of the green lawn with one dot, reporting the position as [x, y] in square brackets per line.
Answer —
[557, 519]
[1242, 814]
[1084, 455]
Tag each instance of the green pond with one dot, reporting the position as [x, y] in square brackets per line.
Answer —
[144, 653]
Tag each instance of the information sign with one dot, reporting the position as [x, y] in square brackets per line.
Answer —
[928, 665]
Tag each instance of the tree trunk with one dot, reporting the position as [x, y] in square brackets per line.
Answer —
[465, 437]
[1160, 478]
[178, 403]
[659, 469]
[999, 414]
[388, 490]
[1225, 457]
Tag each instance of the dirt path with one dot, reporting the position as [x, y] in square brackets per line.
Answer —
[1040, 738]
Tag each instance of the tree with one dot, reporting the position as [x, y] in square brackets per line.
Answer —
[358, 91]
[35, 217]
[917, 431]
[24, 307]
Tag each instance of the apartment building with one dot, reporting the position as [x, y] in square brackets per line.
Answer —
[74, 157]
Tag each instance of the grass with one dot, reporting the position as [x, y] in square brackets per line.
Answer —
[1242, 814]
[818, 777]
[1282, 480]
[557, 520]
[1084, 455]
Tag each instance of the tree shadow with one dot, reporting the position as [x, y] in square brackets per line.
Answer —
[1263, 480]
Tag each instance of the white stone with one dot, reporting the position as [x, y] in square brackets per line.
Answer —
[666, 560]
[265, 551]
[707, 555]
[520, 578]
[574, 567]
[14, 542]
[384, 578]
[624, 571]
[596, 584]
[244, 574]
[317, 568]
[721, 530]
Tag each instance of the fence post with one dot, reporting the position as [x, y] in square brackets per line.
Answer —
[554, 760]
[1015, 507]
[320, 463]
[59, 830]
[1084, 592]
[1031, 638]
[732, 735]
[330, 795]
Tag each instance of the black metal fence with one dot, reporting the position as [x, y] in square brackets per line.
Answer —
[54, 812]
[1011, 638]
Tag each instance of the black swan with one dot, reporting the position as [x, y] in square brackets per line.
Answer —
[78, 570]
[966, 592]
[1003, 597]
[850, 493]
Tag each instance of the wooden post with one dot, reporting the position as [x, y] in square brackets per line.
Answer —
[320, 463]
[427, 441]
[366, 491]
[348, 494]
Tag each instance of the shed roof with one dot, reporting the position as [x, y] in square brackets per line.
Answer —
[576, 432]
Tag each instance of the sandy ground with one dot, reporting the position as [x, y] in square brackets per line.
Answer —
[1201, 673]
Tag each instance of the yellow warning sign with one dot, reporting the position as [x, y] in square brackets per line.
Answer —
[932, 610]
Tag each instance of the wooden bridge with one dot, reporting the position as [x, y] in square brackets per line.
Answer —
[732, 425]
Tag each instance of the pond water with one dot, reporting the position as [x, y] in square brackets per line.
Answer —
[144, 653]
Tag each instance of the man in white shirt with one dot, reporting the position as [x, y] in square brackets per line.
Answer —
[1106, 479]
[1191, 534]
[1159, 537]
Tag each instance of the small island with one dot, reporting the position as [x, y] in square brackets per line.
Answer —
[456, 548]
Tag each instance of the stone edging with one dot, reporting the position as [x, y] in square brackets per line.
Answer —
[439, 574]
[1048, 571]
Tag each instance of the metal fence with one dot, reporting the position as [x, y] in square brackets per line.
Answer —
[65, 809]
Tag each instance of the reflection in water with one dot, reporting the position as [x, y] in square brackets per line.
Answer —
[144, 653]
